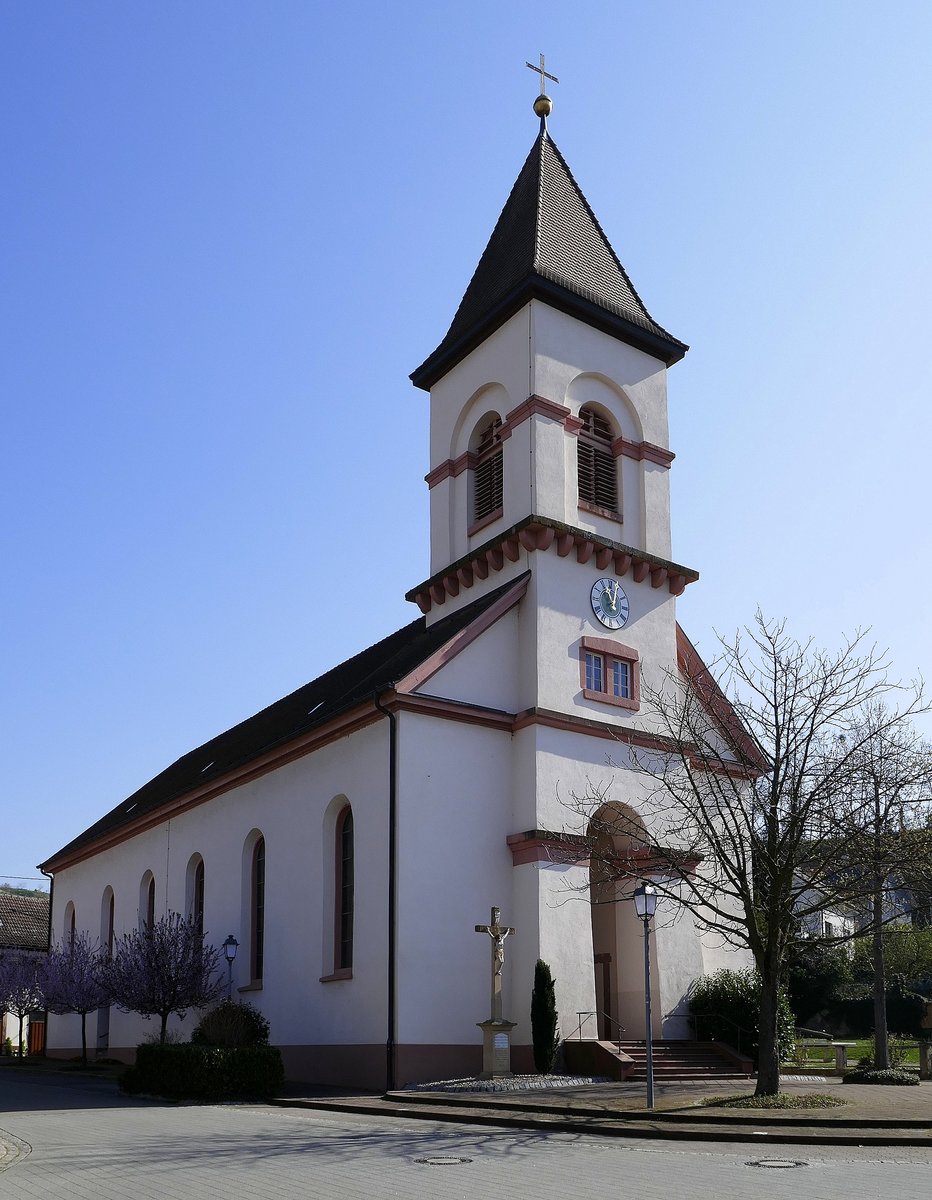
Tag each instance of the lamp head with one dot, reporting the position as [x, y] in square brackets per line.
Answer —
[230, 947]
[645, 901]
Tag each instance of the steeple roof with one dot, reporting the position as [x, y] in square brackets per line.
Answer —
[548, 245]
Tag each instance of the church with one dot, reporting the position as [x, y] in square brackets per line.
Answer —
[351, 835]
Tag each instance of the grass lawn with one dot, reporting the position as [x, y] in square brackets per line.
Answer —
[817, 1055]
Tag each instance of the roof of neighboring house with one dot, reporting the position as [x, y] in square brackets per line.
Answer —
[24, 922]
[339, 690]
[548, 245]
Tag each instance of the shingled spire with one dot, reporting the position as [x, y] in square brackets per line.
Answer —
[548, 245]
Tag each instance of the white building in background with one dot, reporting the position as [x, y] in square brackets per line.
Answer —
[353, 833]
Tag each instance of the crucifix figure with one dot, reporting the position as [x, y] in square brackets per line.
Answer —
[543, 75]
[497, 932]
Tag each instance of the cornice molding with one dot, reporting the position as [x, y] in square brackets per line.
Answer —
[544, 534]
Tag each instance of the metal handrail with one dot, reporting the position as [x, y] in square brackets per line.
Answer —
[595, 1012]
[740, 1029]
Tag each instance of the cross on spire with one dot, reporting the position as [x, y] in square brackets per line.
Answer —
[543, 75]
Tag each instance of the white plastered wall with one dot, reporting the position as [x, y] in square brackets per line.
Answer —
[288, 806]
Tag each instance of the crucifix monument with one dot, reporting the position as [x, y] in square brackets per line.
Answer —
[496, 1031]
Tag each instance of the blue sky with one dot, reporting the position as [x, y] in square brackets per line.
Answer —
[228, 232]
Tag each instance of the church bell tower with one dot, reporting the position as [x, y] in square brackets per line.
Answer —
[548, 409]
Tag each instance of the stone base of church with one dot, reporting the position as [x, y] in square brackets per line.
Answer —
[357, 1066]
[123, 1054]
[365, 1066]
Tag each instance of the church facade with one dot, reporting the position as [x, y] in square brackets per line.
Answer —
[351, 835]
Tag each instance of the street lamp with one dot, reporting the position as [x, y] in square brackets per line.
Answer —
[645, 904]
[230, 947]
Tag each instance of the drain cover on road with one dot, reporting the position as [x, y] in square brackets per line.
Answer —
[777, 1164]
[443, 1160]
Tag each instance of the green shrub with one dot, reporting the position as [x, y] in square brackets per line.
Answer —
[871, 1075]
[726, 1007]
[544, 1033]
[198, 1072]
[232, 1024]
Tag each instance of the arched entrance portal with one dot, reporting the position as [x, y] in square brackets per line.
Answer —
[617, 935]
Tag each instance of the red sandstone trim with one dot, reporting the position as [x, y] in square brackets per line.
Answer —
[488, 519]
[535, 406]
[452, 467]
[451, 710]
[611, 650]
[541, 845]
[717, 704]
[597, 510]
[538, 533]
[642, 450]
[339, 973]
[414, 679]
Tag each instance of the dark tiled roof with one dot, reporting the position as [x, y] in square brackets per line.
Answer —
[548, 244]
[312, 705]
[24, 922]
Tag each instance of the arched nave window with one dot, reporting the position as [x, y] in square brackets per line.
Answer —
[147, 901]
[344, 890]
[596, 463]
[257, 907]
[194, 891]
[68, 932]
[487, 485]
[107, 909]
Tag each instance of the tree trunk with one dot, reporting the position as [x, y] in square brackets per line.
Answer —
[20, 1035]
[84, 1039]
[768, 1053]
[164, 1029]
[881, 1039]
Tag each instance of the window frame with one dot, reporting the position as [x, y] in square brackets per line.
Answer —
[488, 458]
[610, 653]
[600, 448]
[257, 913]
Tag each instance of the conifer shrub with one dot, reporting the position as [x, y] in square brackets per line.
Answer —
[232, 1023]
[544, 1031]
[197, 1072]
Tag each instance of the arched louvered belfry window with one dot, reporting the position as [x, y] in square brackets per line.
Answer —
[597, 465]
[487, 473]
[345, 890]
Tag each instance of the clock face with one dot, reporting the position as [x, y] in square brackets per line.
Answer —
[609, 603]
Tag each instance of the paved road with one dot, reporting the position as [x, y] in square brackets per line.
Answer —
[77, 1140]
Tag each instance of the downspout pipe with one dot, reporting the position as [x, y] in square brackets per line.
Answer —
[51, 878]
[392, 884]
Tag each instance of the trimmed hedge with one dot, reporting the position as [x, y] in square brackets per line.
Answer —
[890, 1077]
[193, 1072]
[232, 1023]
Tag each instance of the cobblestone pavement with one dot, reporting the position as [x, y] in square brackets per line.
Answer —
[75, 1139]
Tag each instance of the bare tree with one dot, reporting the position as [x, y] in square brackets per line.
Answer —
[20, 993]
[71, 978]
[163, 968]
[747, 817]
[890, 796]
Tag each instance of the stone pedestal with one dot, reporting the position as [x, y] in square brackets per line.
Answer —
[496, 1048]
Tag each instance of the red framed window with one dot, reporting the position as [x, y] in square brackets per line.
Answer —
[610, 672]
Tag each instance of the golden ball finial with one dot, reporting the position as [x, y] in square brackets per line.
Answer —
[543, 105]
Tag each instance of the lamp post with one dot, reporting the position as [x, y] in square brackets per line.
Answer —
[230, 947]
[645, 903]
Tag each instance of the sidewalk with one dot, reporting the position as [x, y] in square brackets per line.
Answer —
[871, 1115]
